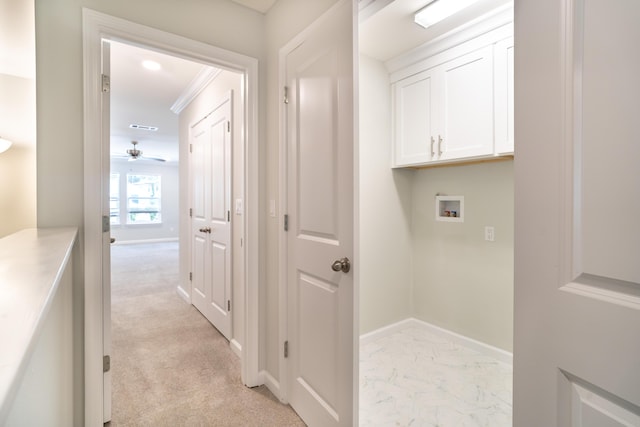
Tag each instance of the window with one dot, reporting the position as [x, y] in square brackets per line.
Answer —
[114, 199]
[143, 199]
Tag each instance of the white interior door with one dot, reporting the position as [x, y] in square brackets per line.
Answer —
[210, 216]
[577, 284]
[106, 235]
[320, 143]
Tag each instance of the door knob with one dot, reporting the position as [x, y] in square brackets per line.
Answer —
[112, 240]
[342, 264]
[205, 230]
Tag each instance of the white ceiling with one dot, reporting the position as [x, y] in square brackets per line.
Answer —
[391, 31]
[261, 6]
[144, 97]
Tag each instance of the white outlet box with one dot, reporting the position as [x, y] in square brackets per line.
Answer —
[489, 234]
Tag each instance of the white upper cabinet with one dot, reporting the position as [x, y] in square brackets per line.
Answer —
[466, 107]
[456, 104]
[503, 87]
[414, 118]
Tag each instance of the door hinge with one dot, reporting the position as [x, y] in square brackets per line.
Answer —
[191, 212]
[286, 349]
[106, 223]
[228, 126]
[190, 276]
[286, 95]
[228, 305]
[286, 222]
[106, 363]
[106, 83]
[228, 216]
[191, 148]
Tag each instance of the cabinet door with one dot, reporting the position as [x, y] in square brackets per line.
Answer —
[413, 102]
[503, 87]
[466, 114]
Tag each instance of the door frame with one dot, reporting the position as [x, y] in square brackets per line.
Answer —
[97, 27]
[279, 388]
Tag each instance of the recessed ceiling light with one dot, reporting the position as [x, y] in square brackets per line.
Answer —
[151, 65]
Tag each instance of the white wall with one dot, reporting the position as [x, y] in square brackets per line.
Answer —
[59, 83]
[169, 189]
[45, 394]
[17, 116]
[203, 104]
[386, 278]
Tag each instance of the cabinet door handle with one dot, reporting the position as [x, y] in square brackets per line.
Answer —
[433, 153]
[439, 145]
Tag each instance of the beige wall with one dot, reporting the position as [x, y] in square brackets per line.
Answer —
[386, 278]
[17, 116]
[18, 164]
[203, 104]
[462, 282]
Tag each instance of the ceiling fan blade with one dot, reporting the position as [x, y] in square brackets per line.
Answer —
[157, 159]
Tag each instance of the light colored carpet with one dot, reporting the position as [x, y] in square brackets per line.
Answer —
[170, 366]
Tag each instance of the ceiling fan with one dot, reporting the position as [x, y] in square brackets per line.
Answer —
[134, 154]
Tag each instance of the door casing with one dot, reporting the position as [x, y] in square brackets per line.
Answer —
[96, 28]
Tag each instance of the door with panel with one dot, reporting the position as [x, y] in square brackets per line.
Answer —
[210, 175]
[319, 66]
[577, 276]
[465, 122]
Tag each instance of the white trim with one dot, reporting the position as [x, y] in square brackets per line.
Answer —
[135, 242]
[273, 385]
[486, 349]
[236, 347]
[197, 85]
[183, 294]
[96, 27]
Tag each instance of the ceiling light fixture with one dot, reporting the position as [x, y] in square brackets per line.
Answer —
[438, 10]
[5, 144]
[151, 65]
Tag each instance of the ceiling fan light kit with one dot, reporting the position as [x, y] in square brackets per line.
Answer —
[134, 154]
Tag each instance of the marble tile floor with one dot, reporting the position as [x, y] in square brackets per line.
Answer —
[416, 378]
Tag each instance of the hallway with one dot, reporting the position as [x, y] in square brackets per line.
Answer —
[170, 366]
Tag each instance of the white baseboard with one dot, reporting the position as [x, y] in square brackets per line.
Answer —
[183, 294]
[486, 349]
[386, 331]
[236, 348]
[135, 242]
[272, 384]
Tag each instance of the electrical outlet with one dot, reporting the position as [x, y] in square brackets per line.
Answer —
[489, 234]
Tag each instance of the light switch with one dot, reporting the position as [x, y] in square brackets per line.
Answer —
[239, 207]
[489, 234]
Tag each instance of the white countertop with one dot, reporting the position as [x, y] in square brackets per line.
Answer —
[31, 265]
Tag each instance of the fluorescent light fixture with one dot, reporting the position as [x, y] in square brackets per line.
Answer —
[438, 10]
[5, 144]
[151, 65]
